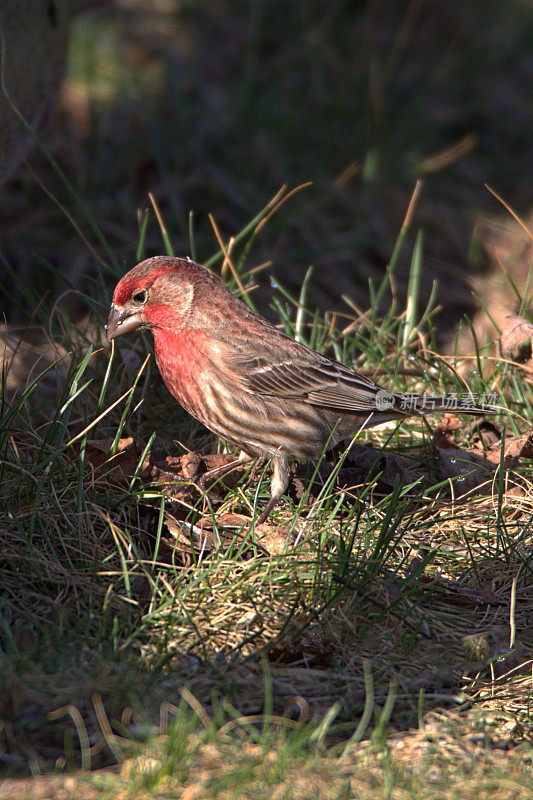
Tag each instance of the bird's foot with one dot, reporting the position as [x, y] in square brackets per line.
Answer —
[267, 509]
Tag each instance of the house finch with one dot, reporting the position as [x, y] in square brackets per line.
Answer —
[243, 378]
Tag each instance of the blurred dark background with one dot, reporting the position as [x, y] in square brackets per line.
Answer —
[213, 106]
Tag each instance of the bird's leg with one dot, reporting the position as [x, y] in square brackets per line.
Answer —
[219, 472]
[278, 485]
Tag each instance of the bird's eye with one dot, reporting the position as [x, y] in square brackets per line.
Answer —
[140, 297]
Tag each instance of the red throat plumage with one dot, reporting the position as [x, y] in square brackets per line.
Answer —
[179, 356]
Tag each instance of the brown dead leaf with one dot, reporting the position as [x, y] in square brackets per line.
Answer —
[517, 446]
[274, 538]
[187, 538]
[178, 474]
[518, 661]
[487, 433]
[515, 341]
[477, 646]
[192, 467]
[117, 469]
[233, 521]
[475, 467]
[449, 422]
[471, 468]
[193, 539]
[363, 464]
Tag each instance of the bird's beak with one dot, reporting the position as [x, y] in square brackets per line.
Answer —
[121, 321]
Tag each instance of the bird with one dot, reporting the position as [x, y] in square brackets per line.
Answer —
[247, 381]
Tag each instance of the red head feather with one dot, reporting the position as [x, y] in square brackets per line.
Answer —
[144, 274]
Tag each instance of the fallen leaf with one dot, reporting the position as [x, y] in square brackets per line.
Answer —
[117, 469]
[487, 433]
[449, 422]
[275, 539]
[515, 341]
[477, 646]
[474, 468]
[518, 661]
[517, 446]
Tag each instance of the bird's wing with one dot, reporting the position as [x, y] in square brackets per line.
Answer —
[316, 380]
